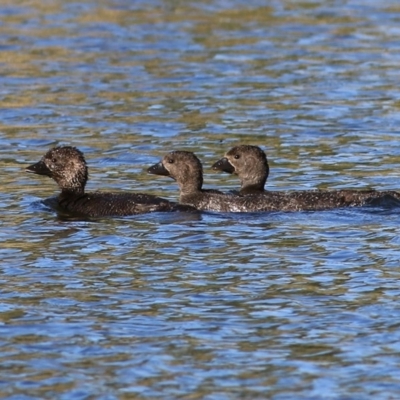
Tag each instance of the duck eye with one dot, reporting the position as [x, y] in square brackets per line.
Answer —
[236, 157]
[54, 160]
[170, 161]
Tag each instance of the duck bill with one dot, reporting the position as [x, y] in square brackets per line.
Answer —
[158, 169]
[223, 165]
[38, 168]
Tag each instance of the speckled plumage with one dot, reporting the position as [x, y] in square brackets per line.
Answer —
[186, 169]
[67, 166]
[250, 164]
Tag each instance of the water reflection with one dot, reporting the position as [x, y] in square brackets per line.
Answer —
[202, 305]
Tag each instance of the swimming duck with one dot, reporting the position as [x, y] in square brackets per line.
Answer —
[67, 166]
[186, 169]
[250, 164]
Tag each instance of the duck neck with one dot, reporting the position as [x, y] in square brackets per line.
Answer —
[254, 185]
[187, 188]
[249, 188]
[254, 179]
[69, 192]
[191, 186]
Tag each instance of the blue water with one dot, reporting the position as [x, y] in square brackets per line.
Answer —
[200, 306]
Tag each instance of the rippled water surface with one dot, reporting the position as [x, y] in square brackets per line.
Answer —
[200, 306]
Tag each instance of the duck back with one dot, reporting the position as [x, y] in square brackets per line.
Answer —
[99, 204]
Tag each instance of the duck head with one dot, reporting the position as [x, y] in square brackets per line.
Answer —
[66, 165]
[182, 166]
[249, 163]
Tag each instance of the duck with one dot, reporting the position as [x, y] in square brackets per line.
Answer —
[250, 164]
[67, 166]
[186, 169]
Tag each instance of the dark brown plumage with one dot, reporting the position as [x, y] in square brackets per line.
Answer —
[186, 169]
[250, 164]
[67, 166]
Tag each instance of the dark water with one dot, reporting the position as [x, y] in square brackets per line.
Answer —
[210, 306]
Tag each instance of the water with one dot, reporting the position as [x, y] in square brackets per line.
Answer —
[209, 306]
